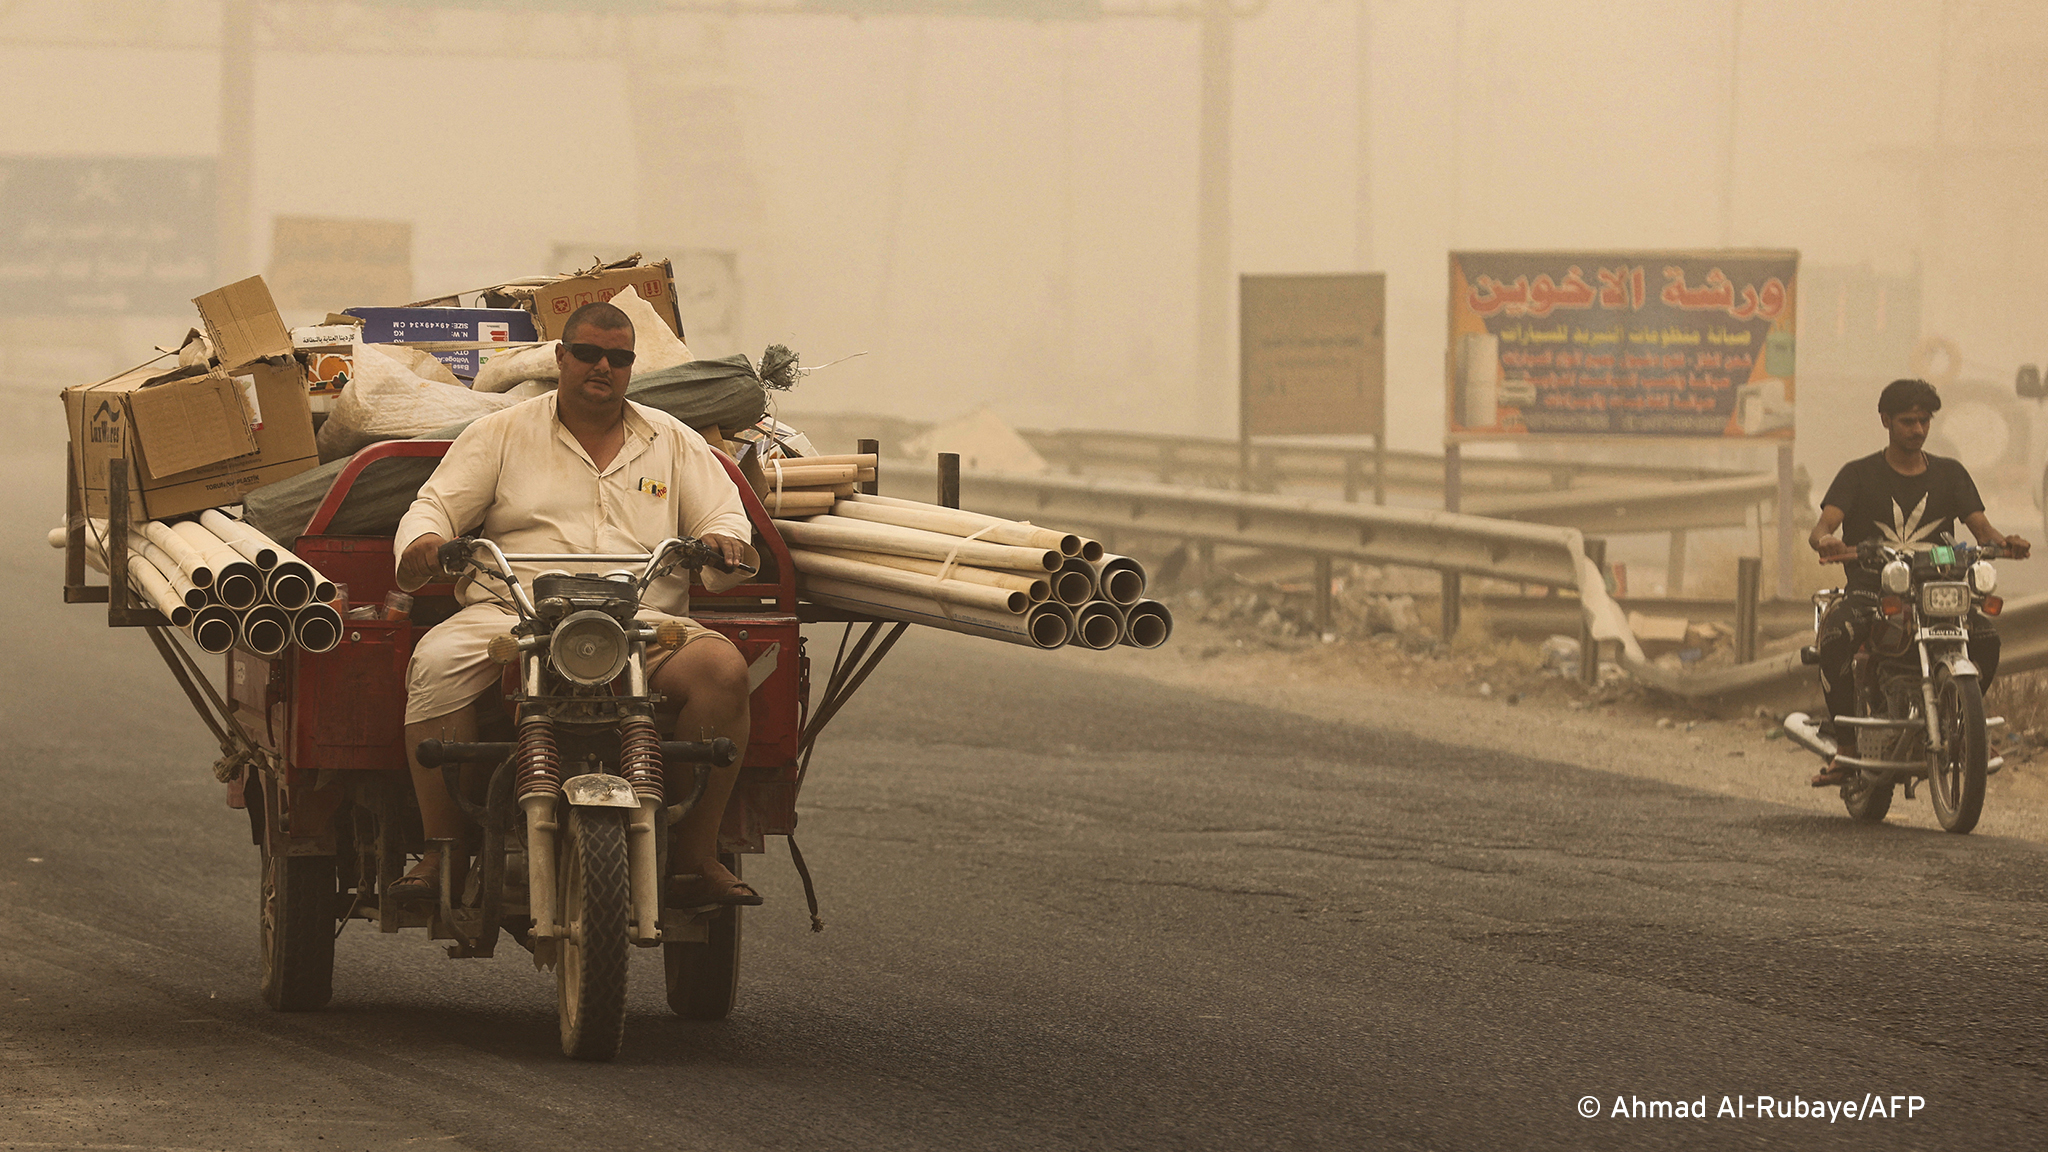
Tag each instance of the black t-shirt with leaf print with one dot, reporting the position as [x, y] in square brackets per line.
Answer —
[1915, 512]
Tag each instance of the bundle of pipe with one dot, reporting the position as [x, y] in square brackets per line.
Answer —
[236, 586]
[972, 573]
[809, 485]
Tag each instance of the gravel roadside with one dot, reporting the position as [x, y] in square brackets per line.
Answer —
[1497, 696]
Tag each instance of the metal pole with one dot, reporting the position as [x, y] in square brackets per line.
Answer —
[233, 166]
[1749, 575]
[1589, 648]
[1362, 233]
[871, 448]
[1788, 529]
[1674, 564]
[949, 479]
[1379, 468]
[1453, 582]
[1351, 477]
[1212, 214]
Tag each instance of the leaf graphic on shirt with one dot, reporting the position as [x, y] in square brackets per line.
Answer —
[1905, 533]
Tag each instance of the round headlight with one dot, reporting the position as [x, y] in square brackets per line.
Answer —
[1897, 577]
[1983, 577]
[589, 647]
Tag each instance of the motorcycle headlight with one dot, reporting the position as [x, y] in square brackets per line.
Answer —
[1983, 577]
[1944, 599]
[589, 647]
[1897, 577]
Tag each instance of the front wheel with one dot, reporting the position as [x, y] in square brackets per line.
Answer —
[1956, 784]
[593, 908]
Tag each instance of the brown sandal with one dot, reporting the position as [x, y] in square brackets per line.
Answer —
[1833, 774]
[696, 889]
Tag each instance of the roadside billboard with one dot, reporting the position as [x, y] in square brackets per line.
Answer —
[1630, 344]
[1313, 354]
[105, 235]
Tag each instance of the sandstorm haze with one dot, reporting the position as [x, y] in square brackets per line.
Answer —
[1004, 211]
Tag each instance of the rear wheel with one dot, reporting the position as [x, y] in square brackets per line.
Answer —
[1956, 785]
[704, 977]
[590, 976]
[298, 931]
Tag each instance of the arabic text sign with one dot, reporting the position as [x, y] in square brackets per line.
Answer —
[97, 234]
[1689, 344]
[1314, 353]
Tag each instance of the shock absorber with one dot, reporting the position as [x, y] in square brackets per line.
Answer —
[539, 787]
[540, 762]
[640, 756]
[640, 762]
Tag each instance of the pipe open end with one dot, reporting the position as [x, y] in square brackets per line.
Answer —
[1073, 588]
[238, 590]
[1123, 586]
[1091, 550]
[214, 634]
[290, 591]
[1149, 626]
[1048, 629]
[1100, 630]
[318, 631]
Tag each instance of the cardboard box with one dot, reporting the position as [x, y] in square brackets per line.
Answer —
[553, 303]
[243, 323]
[161, 426]
[327, 353]
[449, 325]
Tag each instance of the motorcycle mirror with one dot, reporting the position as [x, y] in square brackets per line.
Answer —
[2028, 383]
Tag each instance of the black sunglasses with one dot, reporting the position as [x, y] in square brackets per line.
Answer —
[588, 353]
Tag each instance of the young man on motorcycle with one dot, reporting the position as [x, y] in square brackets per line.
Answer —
[578, 470]
[1907, 499]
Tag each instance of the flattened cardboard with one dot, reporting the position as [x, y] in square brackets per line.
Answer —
[190, 423]
[554, 303]
[104, 428]
[243, 323]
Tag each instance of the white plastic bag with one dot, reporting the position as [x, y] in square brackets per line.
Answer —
[388, 401]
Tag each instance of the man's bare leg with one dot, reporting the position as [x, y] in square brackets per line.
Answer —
[440, 816]
[709, 679]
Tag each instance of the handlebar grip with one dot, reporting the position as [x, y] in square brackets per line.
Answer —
[454, 555]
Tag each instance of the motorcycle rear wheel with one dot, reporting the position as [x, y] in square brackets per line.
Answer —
[1956, 786]
[594, 902]
[1867, 800]
[297, 931]
[704, 978]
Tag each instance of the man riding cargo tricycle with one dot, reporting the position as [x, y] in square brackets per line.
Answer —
[506, 734]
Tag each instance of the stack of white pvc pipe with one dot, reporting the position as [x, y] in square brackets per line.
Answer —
[809, 485]
[224, 583]
[967, 572]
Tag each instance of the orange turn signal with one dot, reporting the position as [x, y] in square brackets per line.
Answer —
[504, 650]
[1891, 605]
[1993, 605]
[670, 634]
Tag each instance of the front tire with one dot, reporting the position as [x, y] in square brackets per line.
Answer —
[594, 906]
[1956, 785]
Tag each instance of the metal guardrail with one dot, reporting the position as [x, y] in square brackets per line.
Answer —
[1412, 537]
[1595, 498]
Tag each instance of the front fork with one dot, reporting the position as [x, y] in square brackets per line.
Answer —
[1938, 652]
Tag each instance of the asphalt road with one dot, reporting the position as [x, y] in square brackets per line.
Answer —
[1067, 909]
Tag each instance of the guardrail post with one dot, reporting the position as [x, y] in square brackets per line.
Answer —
[1674, 564]
[1325, 625]
[874, 448]
[1379, 468]
[1788, 532]
[949, 479]
[1589, 648]
[1351, 477]
[1453, 582]
[1749, 576]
